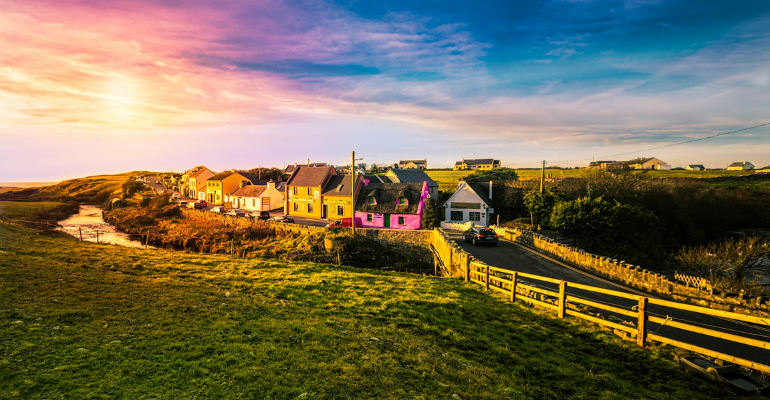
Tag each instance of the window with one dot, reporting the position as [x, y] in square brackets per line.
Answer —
[402, 201]
[456, 216]
[296, 206]
[370, 201]
[308, 191]
[401, 220]
[340, 209]
[310, 207]
[369, 217]
[254, 202]
[266, 201]
[474, 216]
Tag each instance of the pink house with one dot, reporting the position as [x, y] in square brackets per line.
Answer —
[391, 205]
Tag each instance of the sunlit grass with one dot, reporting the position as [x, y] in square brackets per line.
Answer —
[82, 320]
[14, 209]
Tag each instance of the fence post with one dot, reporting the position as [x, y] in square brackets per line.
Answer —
[80, 229]
[487, 279]
[467, 267]
[641, 335]
[513, 286]
[97, 236]
[562, 298]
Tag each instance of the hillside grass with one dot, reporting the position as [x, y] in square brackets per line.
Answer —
[15, 209]
[83, 320]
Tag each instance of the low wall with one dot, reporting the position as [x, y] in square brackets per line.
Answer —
[633, 275]
[456, 226]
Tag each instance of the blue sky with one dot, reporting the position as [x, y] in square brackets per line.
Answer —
[273, 83]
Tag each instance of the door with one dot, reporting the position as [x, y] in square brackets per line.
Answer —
[387, 220]
[324, 211]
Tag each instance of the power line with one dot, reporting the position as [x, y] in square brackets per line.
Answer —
[659, 147]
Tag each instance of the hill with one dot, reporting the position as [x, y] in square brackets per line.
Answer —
[82, 320]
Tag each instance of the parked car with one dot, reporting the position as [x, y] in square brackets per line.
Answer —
[197, 205]
[480, 234]
[203, 203]
[182, 203]
[263, 215]
[344, 223]
[218, 209]
[236, 213]
[175, 195]
[283, 218]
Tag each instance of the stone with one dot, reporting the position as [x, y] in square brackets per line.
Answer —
[455, 396]
[228, 294]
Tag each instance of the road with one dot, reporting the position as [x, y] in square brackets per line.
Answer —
[514, 257]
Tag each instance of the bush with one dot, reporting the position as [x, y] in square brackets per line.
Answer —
[541, 205]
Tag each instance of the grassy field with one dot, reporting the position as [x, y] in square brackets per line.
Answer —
[85, 188]
[82, 320]
[14, 209]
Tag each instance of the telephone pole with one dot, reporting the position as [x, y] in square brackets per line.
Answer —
[353, 192]
[542, 179]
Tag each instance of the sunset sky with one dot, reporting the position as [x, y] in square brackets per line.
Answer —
[89, 87]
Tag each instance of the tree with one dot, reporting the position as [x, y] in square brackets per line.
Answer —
[541, 205]
[267, 173]
[500, 174]
[373, 169]
[430, 217]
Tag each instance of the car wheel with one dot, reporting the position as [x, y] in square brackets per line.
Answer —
[475, 242]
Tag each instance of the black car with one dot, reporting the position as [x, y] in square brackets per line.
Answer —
[262, 215]
[480, 234]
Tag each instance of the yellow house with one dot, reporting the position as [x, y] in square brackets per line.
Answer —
[477, 164]
[225, 183]
[196, 180]
[304, 191]
[336, 197]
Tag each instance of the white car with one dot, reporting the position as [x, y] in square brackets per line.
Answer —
[217, 209]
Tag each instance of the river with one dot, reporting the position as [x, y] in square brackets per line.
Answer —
[89, 221]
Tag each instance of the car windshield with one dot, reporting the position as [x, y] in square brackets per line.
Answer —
[487, 232]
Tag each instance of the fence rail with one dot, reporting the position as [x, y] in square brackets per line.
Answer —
[569, 303]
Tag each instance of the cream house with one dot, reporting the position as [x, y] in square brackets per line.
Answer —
[470, 203]
[740, 166]
[257, 197]
[648, 163]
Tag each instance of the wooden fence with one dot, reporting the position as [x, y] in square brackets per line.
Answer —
[564, 303]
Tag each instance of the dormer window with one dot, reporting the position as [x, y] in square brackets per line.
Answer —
[402, 201]
[371, 201]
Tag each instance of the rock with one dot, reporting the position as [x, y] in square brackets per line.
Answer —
[228, 294]
[455, 396]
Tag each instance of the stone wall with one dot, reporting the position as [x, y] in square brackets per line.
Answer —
[634, 275]
[412, 244]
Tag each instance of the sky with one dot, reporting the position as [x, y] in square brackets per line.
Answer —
[91, 87]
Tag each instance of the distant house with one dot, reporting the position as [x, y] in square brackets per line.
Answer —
[422, 165]
[336, 197]
[763, 170]
[647, 163]
[740, 166]
[257, 197]
[413, 176]
[304, 189]
[391, 205]
[477, 164]
[471, 202]
[695, 167]
[606, 165]
[225, 183]
[197, 181]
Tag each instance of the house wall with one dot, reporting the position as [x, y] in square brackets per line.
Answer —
[465, 194]
[411, 221]
[298, 195]
[332, 202]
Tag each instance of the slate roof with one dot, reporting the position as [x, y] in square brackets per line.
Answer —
[249, 191]
[413, 176]
[201, 170]
[477, 161]
[386, 195]
[482, 192]
[293, 168]
[696, 166]
[223, 175]
[338, 185]
[378, 179]
[738, 164]
[309, 176]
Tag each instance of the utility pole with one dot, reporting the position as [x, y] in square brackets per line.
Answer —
[542, 179]
[353, 192]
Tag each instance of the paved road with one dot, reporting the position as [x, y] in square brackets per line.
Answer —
[514, 257]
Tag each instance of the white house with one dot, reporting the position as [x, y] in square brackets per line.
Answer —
[740, 166]
[471, 202]
[257, 197]
[695, 167]
[648, 163]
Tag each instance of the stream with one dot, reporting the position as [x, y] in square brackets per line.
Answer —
[88, 223]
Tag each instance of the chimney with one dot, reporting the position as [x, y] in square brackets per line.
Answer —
[490, 190]
[270, 184]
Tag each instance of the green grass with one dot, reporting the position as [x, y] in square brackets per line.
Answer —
[15, 209]
[82, 320]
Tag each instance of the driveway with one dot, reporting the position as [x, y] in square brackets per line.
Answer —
[514, 257]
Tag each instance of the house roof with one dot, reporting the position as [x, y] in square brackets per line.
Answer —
[378, 179]
[739, 164]
[425, 161]
[200, 171]
[309, 176]
[481, 191]
[696, 166]
[223, 175]
[412, 176]
[338, 185]
[293, 168]
[249, 191]
[478, 161]
[386, 195]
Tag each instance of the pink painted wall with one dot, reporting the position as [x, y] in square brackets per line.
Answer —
[411, 221]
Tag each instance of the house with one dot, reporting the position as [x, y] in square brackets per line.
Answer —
[471, 202]
[606, 165]
[695, 167]
[422, 165]
[740, 166]
[257, 197]
[225, 183]
[304, 190]
[391, 205]
[197, 181]
[647, 163]
[413, 176]
[477, 164]
[336, 197]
